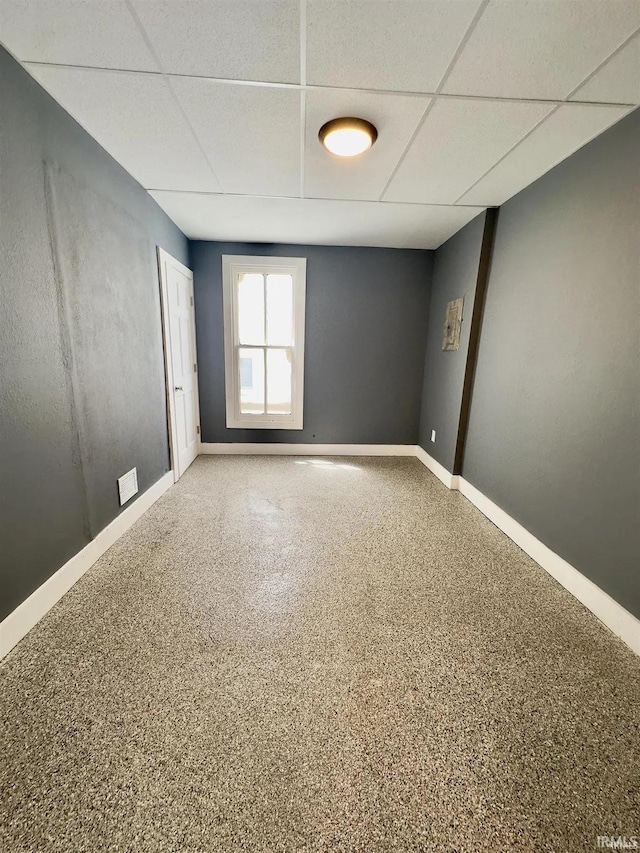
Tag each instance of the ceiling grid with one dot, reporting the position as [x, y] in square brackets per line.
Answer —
[303, 83]
[473, 101]
[144, 36]
[459, 49]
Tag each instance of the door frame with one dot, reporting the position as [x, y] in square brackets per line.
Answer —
[166, 260]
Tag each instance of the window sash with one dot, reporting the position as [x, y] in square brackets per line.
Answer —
[265, 348]
[233, 267]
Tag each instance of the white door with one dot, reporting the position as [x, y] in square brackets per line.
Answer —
[180, 361]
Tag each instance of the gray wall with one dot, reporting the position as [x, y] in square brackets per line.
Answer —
[455, 275]
[365, 335]
[81, 370]
[554, 433]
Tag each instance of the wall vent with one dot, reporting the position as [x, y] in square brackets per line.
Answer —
[128, 485]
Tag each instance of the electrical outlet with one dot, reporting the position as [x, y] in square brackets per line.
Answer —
[128, 485]
[433, 435]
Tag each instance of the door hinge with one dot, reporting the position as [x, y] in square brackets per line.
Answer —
[192, 300]
[195, 368]
[198, 429]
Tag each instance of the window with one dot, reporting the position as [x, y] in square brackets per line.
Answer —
[264, 341]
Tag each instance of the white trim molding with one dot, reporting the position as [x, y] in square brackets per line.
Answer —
[20, 621]
[450, 480]
[165, 263]
[623, 624]
[612, 614]
[283, 449]
[233, 267]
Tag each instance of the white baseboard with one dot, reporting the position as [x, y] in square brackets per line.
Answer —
[282, 449]
[450, 480]
[20, 621]
[623, 624]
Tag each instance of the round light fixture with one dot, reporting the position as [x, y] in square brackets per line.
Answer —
[347, 137]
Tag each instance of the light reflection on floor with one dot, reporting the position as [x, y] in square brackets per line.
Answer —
[326, 463]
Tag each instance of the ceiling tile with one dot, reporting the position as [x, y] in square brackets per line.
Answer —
[313, 221]
[381, 44]
[458, 142]
[396, 118]
[540, 48]
[251, 134]
[74, 32]
[566, 130]
[234, 39]
[618, 81]
[137, 120]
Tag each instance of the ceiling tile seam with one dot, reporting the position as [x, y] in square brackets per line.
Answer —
[303, 128]
[314, 198]
[555, 163]
[451, 96]
[510, 151]
[442, 96]
[194, 134]
[303, 42]
[417, 130]
[462, 44]
[429, 107]
[143, 33]
[166, 79]
[303, 94]
[604, 62]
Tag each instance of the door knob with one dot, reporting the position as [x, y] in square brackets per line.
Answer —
[178, 388]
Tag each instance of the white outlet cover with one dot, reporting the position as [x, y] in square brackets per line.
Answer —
[433, 435]
[128, 485]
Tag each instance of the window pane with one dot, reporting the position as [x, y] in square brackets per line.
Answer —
[251, 368]
[279, 310]
[251, 308]
[279, 381]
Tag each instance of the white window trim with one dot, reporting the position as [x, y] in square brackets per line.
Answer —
[297, 268]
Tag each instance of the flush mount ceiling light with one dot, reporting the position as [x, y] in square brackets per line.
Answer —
[347, 137]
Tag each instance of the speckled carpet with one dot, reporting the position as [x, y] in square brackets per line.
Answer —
[317, 655]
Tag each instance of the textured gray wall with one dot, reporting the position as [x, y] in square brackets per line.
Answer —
[554, 434]
[455, 274]
[366, 324]
[81, 371]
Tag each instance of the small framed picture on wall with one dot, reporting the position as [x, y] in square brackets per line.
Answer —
[452, 325]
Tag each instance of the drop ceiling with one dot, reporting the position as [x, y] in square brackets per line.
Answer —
[214, 106]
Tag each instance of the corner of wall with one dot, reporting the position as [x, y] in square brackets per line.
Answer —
[460, 270]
